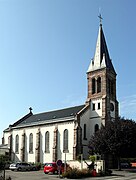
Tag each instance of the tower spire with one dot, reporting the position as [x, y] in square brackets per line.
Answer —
[101, 58]
[101, 78]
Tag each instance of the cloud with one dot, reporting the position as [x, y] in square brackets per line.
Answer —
[128, 107]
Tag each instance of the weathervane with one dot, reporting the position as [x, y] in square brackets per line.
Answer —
[100, 17]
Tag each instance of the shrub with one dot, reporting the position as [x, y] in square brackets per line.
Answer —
[72, 173]
[75, 173]
[86, 173]
[38, 165]
[92, 158]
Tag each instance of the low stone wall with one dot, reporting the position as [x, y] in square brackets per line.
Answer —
[99, 165]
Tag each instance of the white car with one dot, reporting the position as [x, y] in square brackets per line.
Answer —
[22, 166]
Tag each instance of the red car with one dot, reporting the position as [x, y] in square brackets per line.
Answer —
[53, 168]
[50, 167]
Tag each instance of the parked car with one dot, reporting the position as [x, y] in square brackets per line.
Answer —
[53, 168]
[50, 167]
[125, 165]
[22, 166]
[133, 164]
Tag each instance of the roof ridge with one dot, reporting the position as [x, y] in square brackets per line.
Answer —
[50, 111]
[22, 119]
[50, 115]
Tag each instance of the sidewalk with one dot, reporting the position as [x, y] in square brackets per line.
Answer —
[125, 174]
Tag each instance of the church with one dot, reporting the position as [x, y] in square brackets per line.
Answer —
[65, 133]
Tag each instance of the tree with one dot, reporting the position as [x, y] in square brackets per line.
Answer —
[3, 160]
[117, 138]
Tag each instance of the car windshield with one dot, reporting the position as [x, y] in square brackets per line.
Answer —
[17, 164]
[48, 164]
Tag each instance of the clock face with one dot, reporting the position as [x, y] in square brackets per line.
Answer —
[111, 106]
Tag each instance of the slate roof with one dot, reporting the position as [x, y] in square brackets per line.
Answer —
[31, 119]
[104, 50]
[101, 58]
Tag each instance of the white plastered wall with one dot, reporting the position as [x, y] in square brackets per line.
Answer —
[90, 118]
[30, 157]
[84, 119]
[6, 136]
[97, 112]
[44, 157]
[15, 132]
[70, 127]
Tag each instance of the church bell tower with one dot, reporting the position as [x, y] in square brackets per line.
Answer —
[101, 78]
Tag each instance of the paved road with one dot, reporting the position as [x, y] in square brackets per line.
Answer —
[39, 175]
[32, 175]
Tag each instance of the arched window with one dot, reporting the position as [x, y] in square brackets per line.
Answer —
[93, 86]
[96, 128]
[17, 144]
[99, 84]
[85, 132]
[31, 143]
[65, 141]
[47, 142]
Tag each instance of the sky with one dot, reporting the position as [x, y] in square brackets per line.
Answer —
[46, 47]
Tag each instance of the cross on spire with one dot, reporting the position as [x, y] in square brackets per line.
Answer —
[30, 109]
[100, 17]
